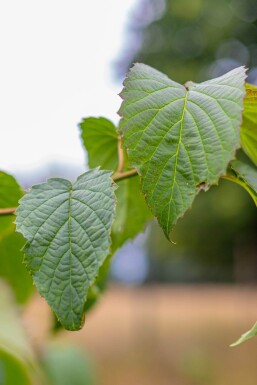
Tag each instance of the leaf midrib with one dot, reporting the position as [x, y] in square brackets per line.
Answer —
[176, 158]
[70, 250]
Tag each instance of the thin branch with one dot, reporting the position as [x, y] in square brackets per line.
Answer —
[121, 156]
[232, 178]
[9, 210]
[116, 177]
[124, 175]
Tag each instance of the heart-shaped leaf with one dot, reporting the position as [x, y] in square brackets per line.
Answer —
[67, 228]
[179, 138]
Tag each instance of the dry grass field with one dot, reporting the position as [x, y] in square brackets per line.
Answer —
[165, 335]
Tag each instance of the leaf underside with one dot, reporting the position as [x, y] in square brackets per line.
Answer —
[179, 138]
[67, 228]
[245, 176]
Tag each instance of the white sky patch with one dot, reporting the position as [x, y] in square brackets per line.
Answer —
[55, 69]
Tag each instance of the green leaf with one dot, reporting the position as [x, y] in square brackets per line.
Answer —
[11, 267]
[12, 370]
[246, 336]
[132, 212]
[67, 228]
[66, 365]
[249, 126]
[100, 140]
[12, 336]
[247, 172]
[10, 191]
[18, 362]
[245, 176]
[95, 291]
[179, 138]
[132, 215]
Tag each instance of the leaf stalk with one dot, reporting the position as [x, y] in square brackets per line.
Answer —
[124, 175]
[9, 210]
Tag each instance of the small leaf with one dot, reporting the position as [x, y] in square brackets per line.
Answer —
[100, 139]
[67, 228]
[132, 212]
[246, 336]
[246, 176]
[11, 267]
[179, 138]
[10, 191]
[18, 362]
[12, 336]
[249, 126]
[66, 365]
[246, 171]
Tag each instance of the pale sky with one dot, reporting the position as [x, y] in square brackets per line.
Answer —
[56, 58]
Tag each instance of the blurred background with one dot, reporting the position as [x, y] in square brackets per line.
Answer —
[172, 309]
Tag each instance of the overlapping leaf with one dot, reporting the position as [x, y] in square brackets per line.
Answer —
[67, 228]
[132, 212]
[179, 138]
[100, 139]
[11, 267]
[10, 193]
[245, 176]
[249, 125]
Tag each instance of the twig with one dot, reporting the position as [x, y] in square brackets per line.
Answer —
[9, 210]
[124, 175]
[121, 156]
[116, 177]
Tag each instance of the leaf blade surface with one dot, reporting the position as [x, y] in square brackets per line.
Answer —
[11, 267]
[132, 212]
[67, 228]
[179, 138]
[245, 176]
[248, 130]
[100, 139]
